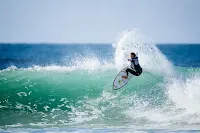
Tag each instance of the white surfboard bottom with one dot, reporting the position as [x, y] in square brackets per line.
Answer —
[119, 82]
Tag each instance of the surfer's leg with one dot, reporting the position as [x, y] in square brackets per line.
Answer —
[125, 77]
[131, 71]
[139, 72]
[127, 72]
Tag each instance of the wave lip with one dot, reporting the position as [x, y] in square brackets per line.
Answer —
[150, 57]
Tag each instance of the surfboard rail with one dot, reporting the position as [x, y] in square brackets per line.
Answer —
[120, 82]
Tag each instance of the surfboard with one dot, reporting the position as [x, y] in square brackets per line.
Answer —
[120, 82]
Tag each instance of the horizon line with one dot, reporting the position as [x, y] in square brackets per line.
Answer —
[84, 43]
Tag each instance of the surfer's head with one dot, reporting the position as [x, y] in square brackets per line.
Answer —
[133, 55]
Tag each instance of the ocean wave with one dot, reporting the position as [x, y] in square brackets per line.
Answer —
[81, 93]
[84, 64]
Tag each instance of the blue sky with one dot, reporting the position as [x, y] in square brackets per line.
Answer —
[98, 21]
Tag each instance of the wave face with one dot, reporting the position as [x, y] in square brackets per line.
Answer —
[77, 90]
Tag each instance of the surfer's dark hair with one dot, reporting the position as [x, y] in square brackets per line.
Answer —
[133, 54]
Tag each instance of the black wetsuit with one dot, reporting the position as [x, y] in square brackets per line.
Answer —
[136, 68]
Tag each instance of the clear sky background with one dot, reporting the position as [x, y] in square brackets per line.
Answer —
[98, 21]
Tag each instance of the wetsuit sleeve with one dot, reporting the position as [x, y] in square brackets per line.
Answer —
[131, 59]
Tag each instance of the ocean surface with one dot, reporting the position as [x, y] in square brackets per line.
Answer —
[68, 88]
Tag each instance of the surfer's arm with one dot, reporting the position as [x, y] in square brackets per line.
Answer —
[129, 59]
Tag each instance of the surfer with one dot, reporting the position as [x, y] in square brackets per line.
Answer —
[135, 67]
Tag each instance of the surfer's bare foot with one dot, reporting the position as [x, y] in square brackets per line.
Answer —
[125, 77]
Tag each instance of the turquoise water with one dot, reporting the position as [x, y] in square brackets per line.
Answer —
[68, 88]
